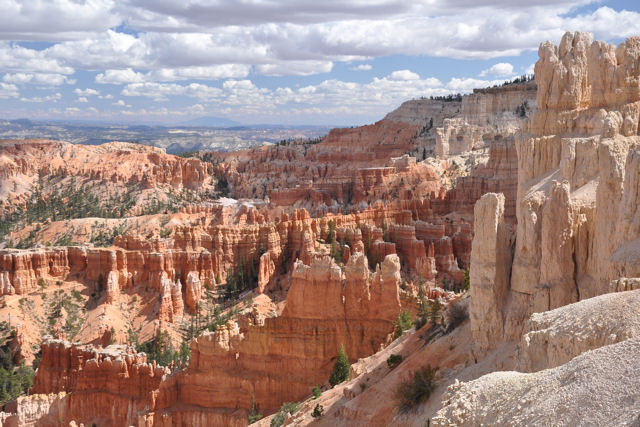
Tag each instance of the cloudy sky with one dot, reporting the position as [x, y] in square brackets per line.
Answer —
[337, 62]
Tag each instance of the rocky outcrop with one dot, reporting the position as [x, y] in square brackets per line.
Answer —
[271, 360]
[35, 410]
[577, 235]
[577, 157]
[112, 287]
[498, 175]
[555, 337]
[193, 291]
[586, 390]
[489, 276]
[283, 359]
[487, 115]
[107, 386]
[105, 162]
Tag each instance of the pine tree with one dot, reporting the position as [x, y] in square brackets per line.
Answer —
[340, 371]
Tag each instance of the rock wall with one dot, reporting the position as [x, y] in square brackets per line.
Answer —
[588, 390]
[107, 386]
[284, 358]
[577, 196]
[272, 360]
[489, 275]
[486, 116]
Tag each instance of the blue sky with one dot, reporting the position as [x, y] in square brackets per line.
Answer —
[267, 61]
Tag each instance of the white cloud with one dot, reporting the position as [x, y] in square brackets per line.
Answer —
[86, 92]
[298, 68]
[161, 91]
[121, 103]
[55, 20]
[49, 98]
[119, 77]
[36, 78]
[404, 75]
[530, 69]
[82, 99]
[8, 91]
[501, 69]
[362, 67]
[457, 85]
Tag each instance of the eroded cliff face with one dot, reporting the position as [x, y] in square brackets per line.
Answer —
[271, 360]
[487, 115]
[108, 386]
[577, 225]
[104, 171]
[577, 238]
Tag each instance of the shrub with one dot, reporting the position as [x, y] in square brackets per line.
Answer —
[286, 408]
[318, 411]
[419, 322]
[340, 371]
[467, 279]
[316, 392]
[415, 390]
[457, 313]
[434, 310]
[402, 323]
[394, 360]
[254, 412]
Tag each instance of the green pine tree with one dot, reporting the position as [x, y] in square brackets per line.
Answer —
[340, 371]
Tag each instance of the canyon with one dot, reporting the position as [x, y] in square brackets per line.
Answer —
[516, 204]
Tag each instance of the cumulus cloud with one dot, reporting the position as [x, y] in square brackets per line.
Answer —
[501, 69]
[49, 98]
[214, 72]
[404, 75]
[36, 78]
[55, 20]
[212, 51]
[8, 91]
[82, 99]
[161, 91]
[120, 103]
[86, 92]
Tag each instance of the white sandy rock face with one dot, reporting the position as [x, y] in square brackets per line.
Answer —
[557, 336]
[490, 262]
[578, 225]
[599, 388]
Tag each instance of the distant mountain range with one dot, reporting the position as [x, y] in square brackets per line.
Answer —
[210, 122]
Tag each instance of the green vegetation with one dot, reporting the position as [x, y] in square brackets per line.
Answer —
[318, 411]
[403, 323]
[105, 238]
[394, 360]
[60, 303]
[466, 284]
[340, 371]
[286, 408]
[457, 313]
[316, 392]
[254, 412]
[160, 348]
[415, 390]
[241, 278]
[222, 185]
[15, 378]
[58, 199]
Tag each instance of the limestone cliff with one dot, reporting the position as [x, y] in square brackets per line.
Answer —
[577, 191]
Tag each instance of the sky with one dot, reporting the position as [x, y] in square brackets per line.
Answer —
[292, 62]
